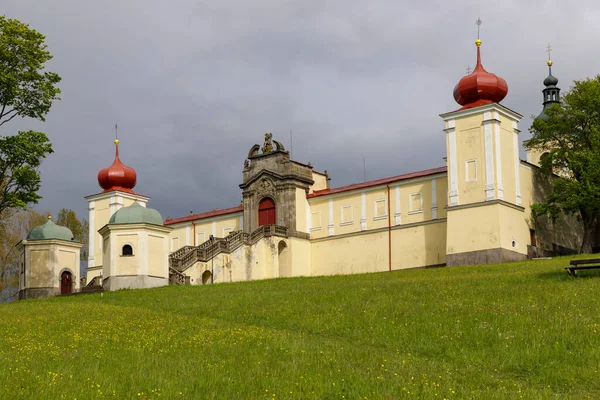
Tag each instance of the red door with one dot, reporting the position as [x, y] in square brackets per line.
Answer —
[266, 212]
[66, 283]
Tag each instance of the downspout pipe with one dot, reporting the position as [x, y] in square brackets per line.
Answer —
[389, 228]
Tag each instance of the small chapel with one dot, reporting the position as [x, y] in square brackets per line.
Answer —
[475, 209]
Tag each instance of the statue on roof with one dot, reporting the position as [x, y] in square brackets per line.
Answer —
[268, 146]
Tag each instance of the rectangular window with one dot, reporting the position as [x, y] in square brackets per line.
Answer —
[347, 215]
[380, 209]
[416, 203]
[471, 170]
[200, 238]
[227, 231]
[315, 220]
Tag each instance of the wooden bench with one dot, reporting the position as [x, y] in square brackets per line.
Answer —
[592, 263]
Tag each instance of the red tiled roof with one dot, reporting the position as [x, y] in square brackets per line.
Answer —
[378, 182]
[209, 214]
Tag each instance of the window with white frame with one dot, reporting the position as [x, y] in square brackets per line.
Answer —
[227, 231]
[416, 203]
[471, 170]
[380, 209]
[200, 238]
[315, 220]
[347, 215]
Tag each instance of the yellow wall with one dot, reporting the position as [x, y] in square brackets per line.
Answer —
[301, 256]
[156, 256]
[350, 255]
[101, 217]
[320, 182]
[419, 246]
[409, 193]
[301, 211]
[216, 226]
[470, 146]
[486, 227]
[67, 258]
[127, 265]
[40, 271]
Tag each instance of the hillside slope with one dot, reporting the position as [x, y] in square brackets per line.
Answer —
[504, 331]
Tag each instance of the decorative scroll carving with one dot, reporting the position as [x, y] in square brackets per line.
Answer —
[266, 188]
[253, 151]
[278, 146]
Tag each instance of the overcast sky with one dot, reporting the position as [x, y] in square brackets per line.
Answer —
[194, 84]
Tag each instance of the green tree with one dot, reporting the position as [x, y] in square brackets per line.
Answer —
[13, 229]
[26, 90]
[79, 227]
[570, 139]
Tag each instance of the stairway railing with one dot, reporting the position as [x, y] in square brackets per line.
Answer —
[187, 256]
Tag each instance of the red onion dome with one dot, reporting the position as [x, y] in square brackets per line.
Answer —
[118, 176]
[480, 87]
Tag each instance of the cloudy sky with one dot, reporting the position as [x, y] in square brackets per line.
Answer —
[194, 84]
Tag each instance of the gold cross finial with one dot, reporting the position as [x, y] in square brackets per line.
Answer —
[549, 50]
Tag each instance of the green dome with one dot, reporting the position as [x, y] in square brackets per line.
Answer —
[51, 231]
[136, 214]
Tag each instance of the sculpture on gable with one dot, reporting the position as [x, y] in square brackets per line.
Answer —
[268, 146]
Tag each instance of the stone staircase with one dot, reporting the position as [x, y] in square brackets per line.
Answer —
[187, 256]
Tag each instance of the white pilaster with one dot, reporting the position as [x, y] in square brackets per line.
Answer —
[397, 215]
[363, 212]
[451, 131]
[187, 235]
[92, 233]
[489, 157]
[433, 199]
[517, 163]
[330, 226]
[214, 228]
[142, 254]
[112, 255]
[308, 216]
[496, 128]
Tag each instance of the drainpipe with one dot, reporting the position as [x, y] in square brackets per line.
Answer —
[389, 228]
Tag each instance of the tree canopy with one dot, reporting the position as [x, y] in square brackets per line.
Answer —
[569, 138]
[26, 90]
[79, 228]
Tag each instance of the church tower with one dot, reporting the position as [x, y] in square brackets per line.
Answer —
[486, 221]
[551, 95]
[117, 182]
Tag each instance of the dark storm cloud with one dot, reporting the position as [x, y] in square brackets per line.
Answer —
[194, 84]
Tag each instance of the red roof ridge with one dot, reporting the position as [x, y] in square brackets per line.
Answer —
[213, 213]
[377, 182]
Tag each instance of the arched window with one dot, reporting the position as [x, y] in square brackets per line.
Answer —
[266, 212]
[127, 250]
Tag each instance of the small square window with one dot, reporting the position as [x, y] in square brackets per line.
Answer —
[380, 209]
[416, 203]
[315, 220]
[347, 215]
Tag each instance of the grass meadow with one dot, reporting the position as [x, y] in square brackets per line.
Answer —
[520, 330]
